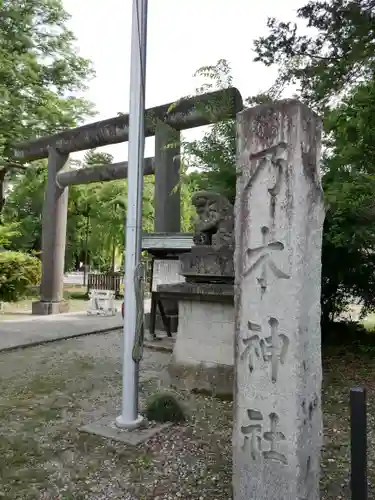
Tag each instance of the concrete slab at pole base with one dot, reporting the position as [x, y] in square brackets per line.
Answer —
[129, 426]
[48, 308]
[106, 427]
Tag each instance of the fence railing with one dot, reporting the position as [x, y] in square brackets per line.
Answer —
[114, 280]
[105, 281]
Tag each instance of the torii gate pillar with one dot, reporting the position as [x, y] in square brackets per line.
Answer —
[55, 211]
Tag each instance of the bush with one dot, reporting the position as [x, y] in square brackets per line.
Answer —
[164, 407]
[18, 272]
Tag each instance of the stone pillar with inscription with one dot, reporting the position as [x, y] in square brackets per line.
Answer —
[279, 219]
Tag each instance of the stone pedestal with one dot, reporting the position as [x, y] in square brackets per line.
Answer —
[208, 264]
[203, 356]
[279, 219]
[47, 308]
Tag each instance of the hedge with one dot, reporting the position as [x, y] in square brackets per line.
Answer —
[18, 272]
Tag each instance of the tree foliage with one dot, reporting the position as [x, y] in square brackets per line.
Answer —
[210, 160]
[104, 206]
[337, 54]
[96, 214]
[24, 205]
[41, 74]
[7, 232]
[348, 180]
[18, 273]
[94, 158]
[333, 66]
[39, 71]
[41, 78]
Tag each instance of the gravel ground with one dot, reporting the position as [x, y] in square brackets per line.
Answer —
[47, 392]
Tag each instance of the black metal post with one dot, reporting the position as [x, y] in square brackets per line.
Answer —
[358, 434]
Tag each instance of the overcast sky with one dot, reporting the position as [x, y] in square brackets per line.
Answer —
[183, 35]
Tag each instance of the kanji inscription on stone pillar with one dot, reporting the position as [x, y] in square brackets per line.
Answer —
[271, 348]
[279, 220]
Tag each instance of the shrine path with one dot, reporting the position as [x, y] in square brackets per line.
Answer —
[36, 330]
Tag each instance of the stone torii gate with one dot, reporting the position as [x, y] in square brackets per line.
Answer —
[161, 122]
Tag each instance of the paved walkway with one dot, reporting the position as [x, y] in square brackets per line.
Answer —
[35, 330]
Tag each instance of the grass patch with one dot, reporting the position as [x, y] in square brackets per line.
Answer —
[75, 293]
[76, 296]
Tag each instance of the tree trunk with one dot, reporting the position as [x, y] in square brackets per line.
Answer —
[85, 265]
[2, 191]
[113, 255]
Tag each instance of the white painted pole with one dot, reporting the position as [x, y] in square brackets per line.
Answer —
[129, 417]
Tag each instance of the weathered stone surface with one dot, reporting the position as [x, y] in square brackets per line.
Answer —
[215, 379]
[214, 225]
[162, 244]
[55, 212]
[100, 173]
[48, 308]
[185, 114]
[208, 264]
[211, 260]
[203, 356]
[202, 292]
[279, 219]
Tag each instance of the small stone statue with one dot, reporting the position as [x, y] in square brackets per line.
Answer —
[214, 225]
[211, 259]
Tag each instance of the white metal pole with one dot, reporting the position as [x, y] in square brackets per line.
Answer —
[129, 417]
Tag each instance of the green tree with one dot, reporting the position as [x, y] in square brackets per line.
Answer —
[188, 186]
[41, 74]
[350, 131]
[82, 207]
[93, 158]
[102, 205]
[107, 216]
[336, 54]
[96, 215]
[348, 259]
[18, 273]
[7, 232]
[349, 183]
[24, 205]
[209, 162]
[333, 68]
